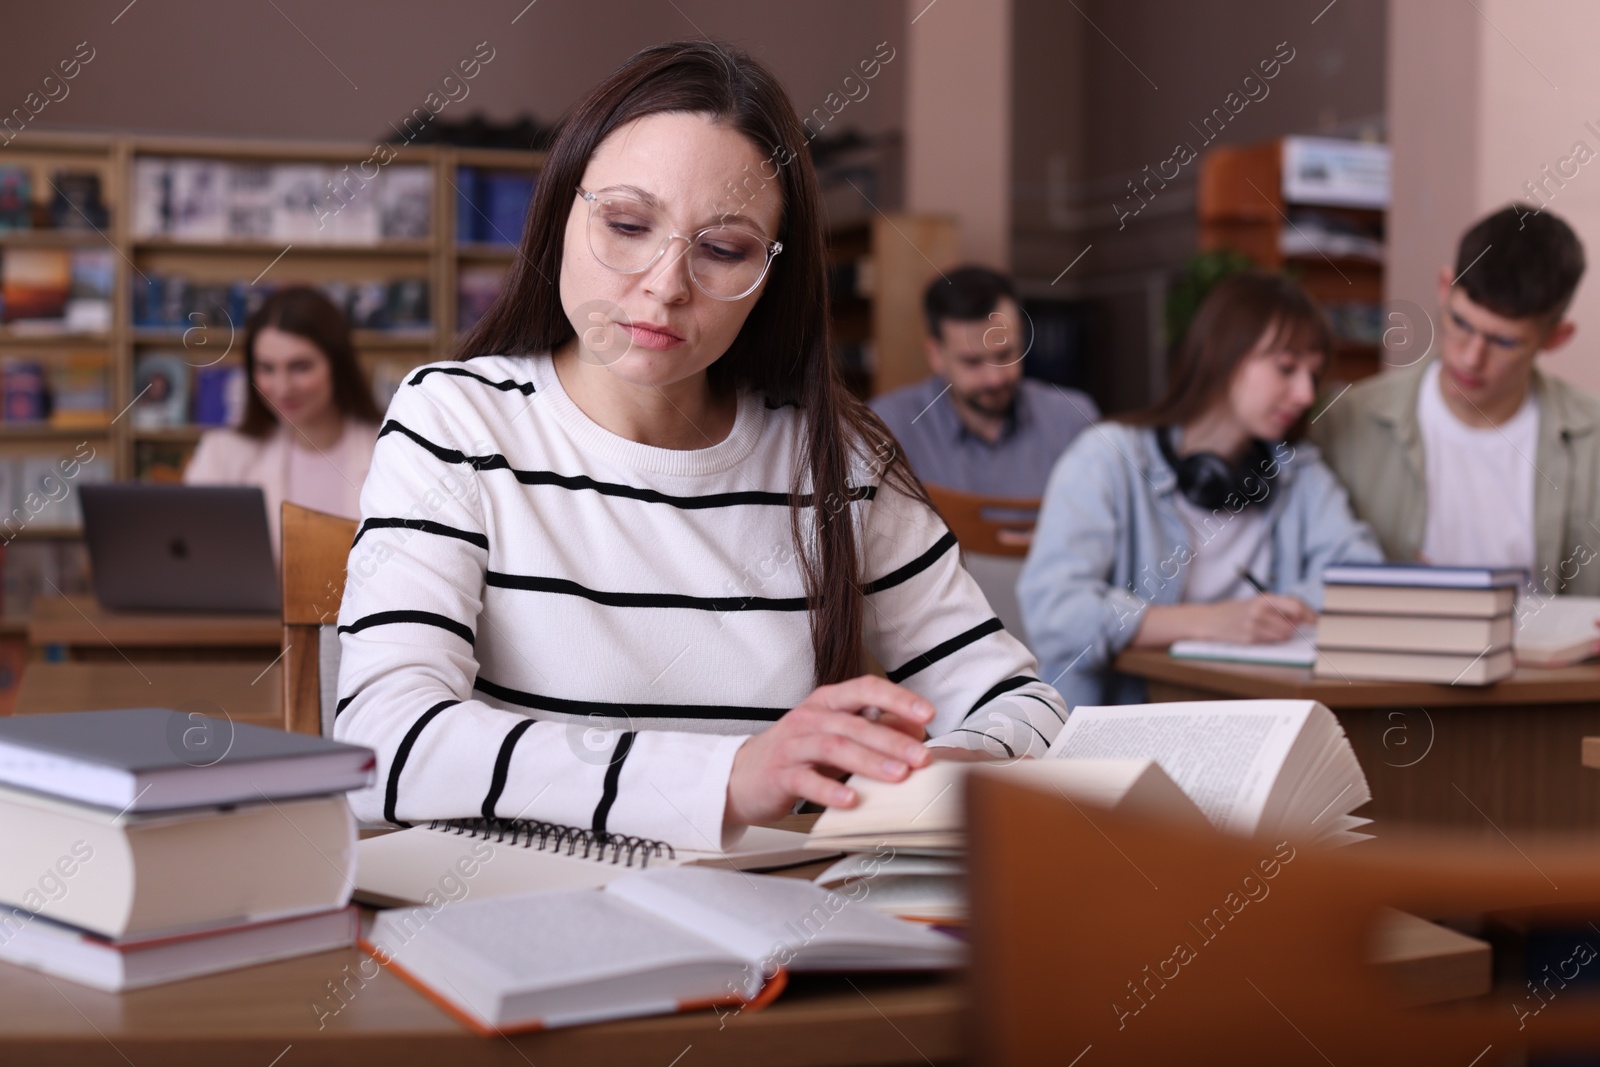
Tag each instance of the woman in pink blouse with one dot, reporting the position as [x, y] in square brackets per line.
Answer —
[309, 423]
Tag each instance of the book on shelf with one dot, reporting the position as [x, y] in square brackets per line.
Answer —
[80, 391]
[1557, 631]
[88, 307]
[519, 856]
[34, 286]
[114, 964]
[160, 461]
[27, 399]
[405, 202]
[251, 202]
[1482, 668]
[208, 200]
[16, 198]
[477, 289]
[1250, 767]
[219, 395]
[78, 203]
[649, 943]
[1423, 575]
[160, 389]
[492, 205]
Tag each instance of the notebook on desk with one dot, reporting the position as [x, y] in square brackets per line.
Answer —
[493, 858]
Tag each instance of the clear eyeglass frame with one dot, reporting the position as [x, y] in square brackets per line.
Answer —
[772, 248]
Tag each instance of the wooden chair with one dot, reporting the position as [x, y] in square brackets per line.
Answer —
[1080, 917]
[992, 545]
[315, 548]
[970, 518]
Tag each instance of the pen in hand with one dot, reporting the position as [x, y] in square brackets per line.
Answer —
[1260, 587]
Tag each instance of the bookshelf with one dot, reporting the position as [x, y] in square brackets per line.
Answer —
[1331, 244]
[877, 271]
[215, 260]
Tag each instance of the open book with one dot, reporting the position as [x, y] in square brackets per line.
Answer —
[662, 940]
[487, 858]
[1250, 767]
[1556, 631]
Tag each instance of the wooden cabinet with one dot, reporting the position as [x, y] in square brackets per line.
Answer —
[878, 270]
[1242, 206]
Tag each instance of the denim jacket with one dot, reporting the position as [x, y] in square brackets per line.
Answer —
[1111, 541]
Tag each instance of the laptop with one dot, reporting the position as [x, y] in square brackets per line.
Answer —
[196, 548]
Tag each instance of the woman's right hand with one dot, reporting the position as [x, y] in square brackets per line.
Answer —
[797, 757]
[1262, 619]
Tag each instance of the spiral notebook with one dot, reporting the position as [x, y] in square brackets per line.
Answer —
[460, 858]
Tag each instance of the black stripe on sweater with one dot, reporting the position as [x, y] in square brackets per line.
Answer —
[344, 702]
[424, 526]
[608, 791]
[427, 618]
[502, 766]
[1016, 681]
[535, 584]
[525, 388]
[391, 795]
[625, 711]
[996, 740]
[945, 648]
[914, 568]
[580, 482]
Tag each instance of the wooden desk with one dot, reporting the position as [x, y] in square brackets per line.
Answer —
[244, 692]
[90, 631]
[1486, 757]
[249, 1016]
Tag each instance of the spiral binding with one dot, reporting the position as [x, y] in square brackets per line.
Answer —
[553, 837]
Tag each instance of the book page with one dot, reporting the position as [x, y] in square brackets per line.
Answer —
[1225, 754]
[792, 922]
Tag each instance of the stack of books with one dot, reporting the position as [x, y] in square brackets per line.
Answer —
[1409, 622]
[146, 845]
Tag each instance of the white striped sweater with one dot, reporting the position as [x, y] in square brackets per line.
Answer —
[544, 620]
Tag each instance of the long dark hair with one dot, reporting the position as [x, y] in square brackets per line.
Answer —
[781, 352]
[305, 312]
[1233, 317]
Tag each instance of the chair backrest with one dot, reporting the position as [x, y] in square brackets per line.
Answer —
[1155, 944]
[316, 547]
[978, 528]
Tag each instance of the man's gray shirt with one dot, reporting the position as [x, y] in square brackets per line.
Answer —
[1044, 420]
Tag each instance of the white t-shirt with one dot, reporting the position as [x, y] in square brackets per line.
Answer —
[1480, 484]
[1223, 542]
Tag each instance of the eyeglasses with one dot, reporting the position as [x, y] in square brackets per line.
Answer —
[726, 261]
[1509, 346]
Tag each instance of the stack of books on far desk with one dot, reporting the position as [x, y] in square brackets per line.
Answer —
[1407, 622]
[145, 845]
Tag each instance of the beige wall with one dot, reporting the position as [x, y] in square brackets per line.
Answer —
[1481, 102]
[958, 120]
[242, 69]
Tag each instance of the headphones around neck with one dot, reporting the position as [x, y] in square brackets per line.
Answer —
[1209, 481]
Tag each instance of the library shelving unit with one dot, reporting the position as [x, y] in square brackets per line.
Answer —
[878, 269]
[1242, 205]
[438, 258]
[117, 443]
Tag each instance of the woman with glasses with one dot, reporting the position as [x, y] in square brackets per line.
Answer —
[625, 565]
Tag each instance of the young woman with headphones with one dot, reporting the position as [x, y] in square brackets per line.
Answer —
[1204, 516]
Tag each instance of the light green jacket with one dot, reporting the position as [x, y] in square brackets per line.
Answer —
[1371, 439]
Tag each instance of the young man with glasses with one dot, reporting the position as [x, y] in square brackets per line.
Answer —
[1475, 456]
